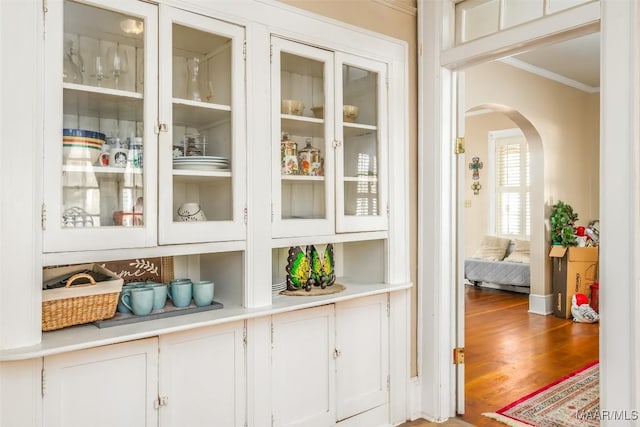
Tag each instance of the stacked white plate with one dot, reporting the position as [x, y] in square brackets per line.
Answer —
[276, 288]
[201, 163]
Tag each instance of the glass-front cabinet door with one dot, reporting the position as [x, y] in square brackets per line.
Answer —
[361, 139]
[201, 187]
[99, 144]
[302, 153]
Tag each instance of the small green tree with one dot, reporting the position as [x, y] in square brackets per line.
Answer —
[563, 220]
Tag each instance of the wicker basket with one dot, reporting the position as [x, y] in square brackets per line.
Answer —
[80, 303]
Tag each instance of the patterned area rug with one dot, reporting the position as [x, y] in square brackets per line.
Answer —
[571, 401]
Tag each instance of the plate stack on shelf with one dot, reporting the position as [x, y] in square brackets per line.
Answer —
[276, 288]
[201, 163]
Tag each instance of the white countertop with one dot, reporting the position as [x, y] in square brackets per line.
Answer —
[87, 336]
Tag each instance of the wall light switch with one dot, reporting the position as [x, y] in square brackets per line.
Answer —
[467, 203]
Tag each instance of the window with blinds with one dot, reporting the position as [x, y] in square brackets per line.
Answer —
[511, 198]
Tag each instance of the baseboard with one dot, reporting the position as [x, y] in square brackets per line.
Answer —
[541, 304]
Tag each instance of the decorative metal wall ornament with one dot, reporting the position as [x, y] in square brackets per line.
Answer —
[475, 166]
[476, 188]
[305, 270]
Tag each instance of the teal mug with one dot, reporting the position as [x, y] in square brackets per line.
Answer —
[160, 292]
[203, 292]
[139, 300]
[180, 292]
[126, 290]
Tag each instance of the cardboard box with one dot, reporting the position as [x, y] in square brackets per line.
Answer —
[574, 271]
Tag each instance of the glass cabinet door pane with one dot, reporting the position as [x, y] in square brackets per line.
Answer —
[303, 128]
[102, 127]
[361, 141]
[302, 146]
[202, 131]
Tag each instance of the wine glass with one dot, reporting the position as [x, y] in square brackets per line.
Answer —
[117, 63]
[99, 70]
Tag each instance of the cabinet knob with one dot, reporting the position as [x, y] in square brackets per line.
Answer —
[337, 143]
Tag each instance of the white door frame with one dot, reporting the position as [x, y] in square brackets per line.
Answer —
[619, 190]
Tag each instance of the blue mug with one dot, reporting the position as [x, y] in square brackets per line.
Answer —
[203, 292]
[180, 292]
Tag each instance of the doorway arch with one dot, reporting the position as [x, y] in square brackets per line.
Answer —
[540, 270]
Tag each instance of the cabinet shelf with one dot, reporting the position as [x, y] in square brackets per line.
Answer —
[302, 178]
[199, 114]
[105, 103]
[102, 170]
[303, 126]
[363, 178]
[357, 129]
[191, 176]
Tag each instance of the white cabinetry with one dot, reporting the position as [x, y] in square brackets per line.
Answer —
[198, 379]
[304, 368]
[102, 386]
[331, 363]
[202, 377]
[330, 141]
[151, 85]
[362, 345]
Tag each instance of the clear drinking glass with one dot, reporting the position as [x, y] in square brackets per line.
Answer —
[117, 63]
[193, 84]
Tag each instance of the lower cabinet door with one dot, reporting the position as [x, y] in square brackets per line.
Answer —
[362, 348]
[202, 377]
[113, 385]
[303, 374]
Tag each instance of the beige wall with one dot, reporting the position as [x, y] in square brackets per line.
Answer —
[398, 22]
[476, 208]
[567, 121]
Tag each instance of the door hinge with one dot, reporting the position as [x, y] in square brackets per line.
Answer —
[458, 356]
[161, 127]
[246, 215]
[160, 401]
[388, 308]
[459, 145]
[43, 382]
[272, 212]
[388, 382]
[43, 217]
[244, 337]
[272, 335]
[244, 50]
[270, 54]
[388, 210]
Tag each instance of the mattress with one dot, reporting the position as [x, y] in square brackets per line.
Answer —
[498, 272]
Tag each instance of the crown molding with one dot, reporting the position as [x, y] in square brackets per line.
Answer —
[549, 75]
[405, 6]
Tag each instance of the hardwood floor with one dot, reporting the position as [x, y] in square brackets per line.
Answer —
[510, 353]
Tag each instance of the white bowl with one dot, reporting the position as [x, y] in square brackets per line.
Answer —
[80, 153]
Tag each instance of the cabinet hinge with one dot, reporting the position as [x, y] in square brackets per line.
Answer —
[43, 382]
[272, 335]
[161, 127]
[43, 217]
[272, 212]
[160, 401]
[271, 54]
[388, 382]
[388, 210]
[388, 308]
[458, 356]
[244, 50]
[459, 149]
[45, 6]
[245, 214]
[244, 337]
